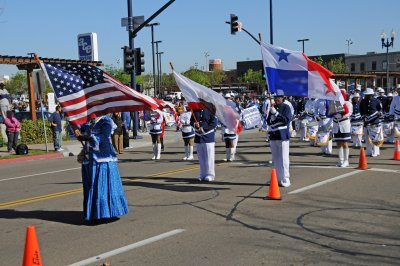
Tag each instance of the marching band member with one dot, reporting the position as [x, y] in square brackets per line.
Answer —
[279, 119]
[388, 125]
[394, 112]
[356, 121]
[324, 123]
[156, 119]
[370, 109]
[205, 122]
[311, 127]
[187, 134]
[342, 131]
[229, 136]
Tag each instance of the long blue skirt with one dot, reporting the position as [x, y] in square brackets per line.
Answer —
[103, 194]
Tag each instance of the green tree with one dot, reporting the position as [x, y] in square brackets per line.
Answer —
[118, 73]
[337, 65]
[17, 83]
[198, 76]
[254, 77]
[217, 77]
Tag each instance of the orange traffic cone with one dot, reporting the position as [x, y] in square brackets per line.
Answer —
[32, 252]
[362, 163]
[396, 155]
[273, 193]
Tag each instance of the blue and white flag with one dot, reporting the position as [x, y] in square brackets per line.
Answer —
[292, 73]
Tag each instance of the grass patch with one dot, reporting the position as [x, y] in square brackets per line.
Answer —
[31, 152]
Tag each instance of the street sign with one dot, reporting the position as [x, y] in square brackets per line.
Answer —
[136, 22]
[87, 47]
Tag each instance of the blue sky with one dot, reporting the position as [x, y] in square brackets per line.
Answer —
[190, 28]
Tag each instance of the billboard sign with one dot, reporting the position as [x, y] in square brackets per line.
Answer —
[87, 47]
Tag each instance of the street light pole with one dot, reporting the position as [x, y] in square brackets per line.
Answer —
[349, 42]
[206, 54]
[387, 45]
[303, 40]
[158, 69]
[152, 54]
[160, 82]
[271, 33]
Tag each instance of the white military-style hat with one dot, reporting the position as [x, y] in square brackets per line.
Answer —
[389, 94]
[356, 95]
[379, 89]
[369, 91]
[228, 95]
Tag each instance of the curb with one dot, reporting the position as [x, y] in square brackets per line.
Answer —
[32, 157]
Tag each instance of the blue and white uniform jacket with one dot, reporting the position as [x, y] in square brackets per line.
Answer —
[395, 108]
[355, 117]
[279, 122]
[370, 110]
[208, 123]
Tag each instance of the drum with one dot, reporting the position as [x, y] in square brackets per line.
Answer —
[387, 129]
[322, 138]
[375, 134]
[312, 132]
[357, 130]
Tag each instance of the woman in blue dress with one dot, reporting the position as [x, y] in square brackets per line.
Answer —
[103, 193]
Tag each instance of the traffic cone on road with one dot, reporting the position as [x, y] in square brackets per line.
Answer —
[396, 155]
[273, 193]
[362, 163]
[32, 252]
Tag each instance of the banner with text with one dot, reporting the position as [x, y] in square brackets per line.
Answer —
[251, 117]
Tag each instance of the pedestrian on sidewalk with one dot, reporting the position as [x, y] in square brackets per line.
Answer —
[126, 119]
[4, 100]
[118, 137]
[13, 128]
[103, 193]
[56, 127]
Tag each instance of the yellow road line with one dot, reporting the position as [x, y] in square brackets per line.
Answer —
[79, 190]
[40, 198]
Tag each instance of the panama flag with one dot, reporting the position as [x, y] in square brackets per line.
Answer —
[198, 96]
[294, 74]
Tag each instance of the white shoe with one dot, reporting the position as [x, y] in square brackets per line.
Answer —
[154, 157]
[285, 182]
[59, 149]
[208, 178]
[345, 164]
[185, 158]
[190, 158]
[339, 163]
[200, 178]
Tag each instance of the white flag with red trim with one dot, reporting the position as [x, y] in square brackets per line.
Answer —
[198, 97]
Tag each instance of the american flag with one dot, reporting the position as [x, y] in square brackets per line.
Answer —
[85, 91]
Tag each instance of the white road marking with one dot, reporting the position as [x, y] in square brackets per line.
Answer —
[127, 248]
[384, 170]
[45, 173]
[325, 182]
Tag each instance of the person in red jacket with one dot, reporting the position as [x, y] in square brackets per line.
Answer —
[12, 129]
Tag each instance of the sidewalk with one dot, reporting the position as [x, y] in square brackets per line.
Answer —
[73, 147]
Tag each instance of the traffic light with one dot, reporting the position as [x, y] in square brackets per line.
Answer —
[139, 61]
[128, 59]
[234, 24]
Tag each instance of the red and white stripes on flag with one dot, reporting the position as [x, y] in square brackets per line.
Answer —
[195, 94]
[85, 92]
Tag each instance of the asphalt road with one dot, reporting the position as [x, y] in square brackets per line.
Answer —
[329, 216]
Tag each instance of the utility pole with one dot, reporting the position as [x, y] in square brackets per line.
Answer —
[152, 54]
[158, 69]
[271, 28]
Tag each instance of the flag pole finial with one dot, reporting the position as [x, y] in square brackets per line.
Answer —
[36, 57]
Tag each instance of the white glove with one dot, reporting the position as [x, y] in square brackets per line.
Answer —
[273, 110]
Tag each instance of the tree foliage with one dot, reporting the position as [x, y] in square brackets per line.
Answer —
[335, 65]
[17, 83]
[217, 77]
[198, 76]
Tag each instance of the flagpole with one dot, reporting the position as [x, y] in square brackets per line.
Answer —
[36, 58]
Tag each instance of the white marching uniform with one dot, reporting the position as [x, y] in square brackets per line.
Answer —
[156, 118]
[342, 132]
[324, 125]
[311, 125]
[395, 112]
[187, 133]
